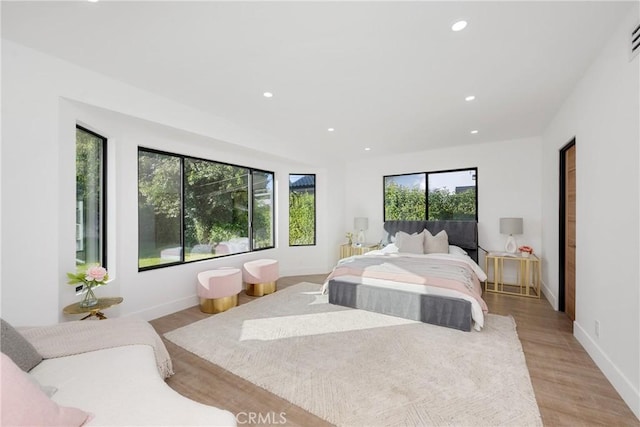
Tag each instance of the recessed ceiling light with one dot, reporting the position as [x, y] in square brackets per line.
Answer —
[267, 94]
[367, 149]
[459, 26]
[474, 131]
[470, 98]
[331, 129]
[93, 1]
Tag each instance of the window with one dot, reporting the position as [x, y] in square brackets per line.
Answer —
[159, 209]
[404, 197]
[441, 195]
[452, 195]
[216, 209]
[90, 198]
[262, 209]
[302, 210]
[191, 209]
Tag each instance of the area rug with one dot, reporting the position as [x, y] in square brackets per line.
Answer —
[357, 368]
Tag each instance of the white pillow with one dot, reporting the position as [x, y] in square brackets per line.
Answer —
[391, 248]
[457, 250]
[438, 244]
[410, 243]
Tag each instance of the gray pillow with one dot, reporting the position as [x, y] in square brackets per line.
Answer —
[438, 244]
[410, 243]
[16, 346]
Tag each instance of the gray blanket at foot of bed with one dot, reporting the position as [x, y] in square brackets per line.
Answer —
[437, 310]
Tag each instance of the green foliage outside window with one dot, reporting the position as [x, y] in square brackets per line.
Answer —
[447, 205]
[404, 203]
[302, 210]
[302, 219]
[216, 202]
[451, 196]
[216, 209]
[90, 198]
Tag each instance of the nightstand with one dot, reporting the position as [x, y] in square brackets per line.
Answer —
[528, 271]
[348, 250]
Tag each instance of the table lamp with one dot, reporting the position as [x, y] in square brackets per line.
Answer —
[360, 224]
[511, 226]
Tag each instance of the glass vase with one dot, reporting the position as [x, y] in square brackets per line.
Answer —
[89, 299]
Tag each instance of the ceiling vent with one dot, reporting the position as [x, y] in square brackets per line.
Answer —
[635, 42]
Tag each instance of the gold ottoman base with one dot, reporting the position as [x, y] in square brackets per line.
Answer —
[218, 305]
[260, 289]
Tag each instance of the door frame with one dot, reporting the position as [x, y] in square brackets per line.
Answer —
[561, 226]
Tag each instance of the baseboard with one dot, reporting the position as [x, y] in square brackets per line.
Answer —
[164, 309]
[627, 391]
[551, 297]
[302, 272]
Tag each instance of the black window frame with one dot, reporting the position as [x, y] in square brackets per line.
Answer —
[250, 195]
[251, 198]
[315, 209]
[103, 194]
[426, 189]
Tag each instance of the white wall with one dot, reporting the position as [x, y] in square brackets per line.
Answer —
[40, 109]
[508, 186]
[603, 113]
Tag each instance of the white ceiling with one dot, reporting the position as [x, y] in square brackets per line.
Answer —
[391, 76]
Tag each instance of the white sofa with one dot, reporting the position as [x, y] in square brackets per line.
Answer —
[121, 386]
[90, 373]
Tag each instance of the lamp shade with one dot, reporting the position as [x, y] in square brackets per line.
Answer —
[510, 225]
[361, 223]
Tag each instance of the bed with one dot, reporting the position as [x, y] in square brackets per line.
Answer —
[440, 288]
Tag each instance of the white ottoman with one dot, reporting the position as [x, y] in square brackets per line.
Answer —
[218, 289]
[260, 276]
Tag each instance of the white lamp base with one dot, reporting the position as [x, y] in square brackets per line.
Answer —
[511, 245]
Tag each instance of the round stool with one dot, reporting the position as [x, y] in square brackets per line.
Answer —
[260, 276]
[218, 289]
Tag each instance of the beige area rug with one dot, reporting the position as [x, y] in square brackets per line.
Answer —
[356, 368]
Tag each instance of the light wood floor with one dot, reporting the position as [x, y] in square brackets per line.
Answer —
[569, 388]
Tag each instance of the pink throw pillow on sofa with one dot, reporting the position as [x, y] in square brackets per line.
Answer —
[24, 404]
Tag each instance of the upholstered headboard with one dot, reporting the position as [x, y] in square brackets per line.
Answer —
[461, 233]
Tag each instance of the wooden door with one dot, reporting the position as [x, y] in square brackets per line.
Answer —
[570, 233]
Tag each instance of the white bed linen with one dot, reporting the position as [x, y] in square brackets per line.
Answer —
[458, 257]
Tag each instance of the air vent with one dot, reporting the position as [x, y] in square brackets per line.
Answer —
[635, 42]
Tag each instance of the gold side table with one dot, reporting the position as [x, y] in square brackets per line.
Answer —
[528, 271]
[96, 310]
[348, 250]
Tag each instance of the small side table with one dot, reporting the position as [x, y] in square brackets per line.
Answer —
[528, 274]
[103, 304]
[348, 250]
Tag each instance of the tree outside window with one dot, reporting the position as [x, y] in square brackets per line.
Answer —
[90, 198]
[191, 209]
[302, 210]
[441, 195]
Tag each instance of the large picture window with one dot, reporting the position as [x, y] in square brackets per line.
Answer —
[90, 198]
[191, 209]
[441, 195]
[302, 210]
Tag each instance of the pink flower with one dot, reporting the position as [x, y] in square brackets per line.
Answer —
[96, 273]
